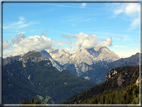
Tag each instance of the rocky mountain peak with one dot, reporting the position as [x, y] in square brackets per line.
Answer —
[60, 55]
[86, 55]
[82, 51]
[104, 54]
[52, 51]
[97, 48]
[34, 56]
[91, 55]
[102, 49]
[31, 54]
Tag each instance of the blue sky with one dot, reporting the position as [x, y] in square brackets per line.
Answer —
[71, 26]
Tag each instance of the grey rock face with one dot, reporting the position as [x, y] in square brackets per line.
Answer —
[89, 56]
[82, 55]
[60, 55]
[104, 54]
[85, 55]
[54, 64]
[83, 68]
[120, 80]
[111, 73]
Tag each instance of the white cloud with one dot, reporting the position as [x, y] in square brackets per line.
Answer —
[83, 5]
[118, 11]
[106, 42]
[72, 45]
[132, 10]
[29, 43]
[20, 24]
[135, 24]
[85, 40]
[17, 38]
[6, 44]
[7, 53]
[61, 43]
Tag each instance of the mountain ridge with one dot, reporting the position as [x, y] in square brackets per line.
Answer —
[87, 55]
[95, 72]
[39, 78]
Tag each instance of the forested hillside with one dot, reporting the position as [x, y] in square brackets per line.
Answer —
[110, 91]
[36, 78]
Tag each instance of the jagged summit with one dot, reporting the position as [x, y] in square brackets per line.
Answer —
[87, 55]
[60, 55]
[97, 48]
[31, 54]
[91, 55]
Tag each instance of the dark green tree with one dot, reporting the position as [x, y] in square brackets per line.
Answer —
[31, 102]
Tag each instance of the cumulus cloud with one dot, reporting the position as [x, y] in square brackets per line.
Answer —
[86, 40]
[21, 44]
[26, 44]
[106, 42]
[82, 40]
[7, 53]
[17, 38]
[6, 44]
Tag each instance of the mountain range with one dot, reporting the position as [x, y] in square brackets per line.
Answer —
[92, 64]
[33, 76]
[55, 75]
[86, 55]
